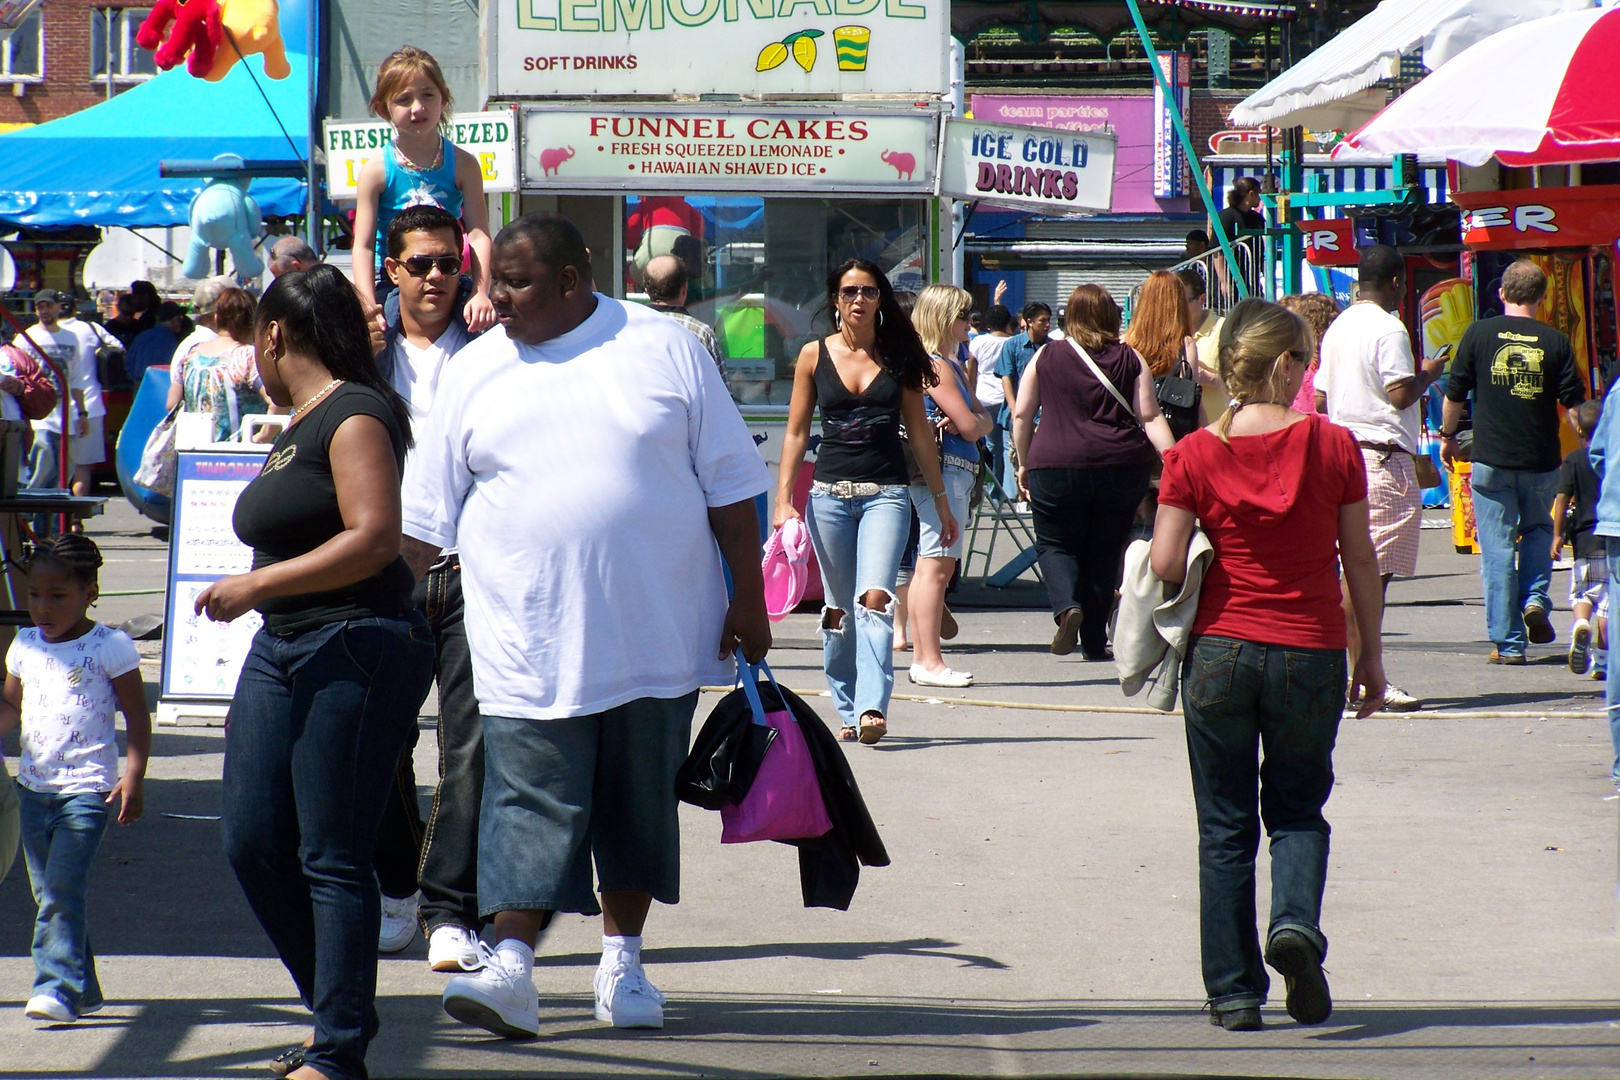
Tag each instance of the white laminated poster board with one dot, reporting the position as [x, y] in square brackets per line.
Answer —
[202, 658]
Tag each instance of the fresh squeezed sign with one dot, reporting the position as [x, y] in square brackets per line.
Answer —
[1038, 168]
[491, 138]
[728, 151]
[543, 48]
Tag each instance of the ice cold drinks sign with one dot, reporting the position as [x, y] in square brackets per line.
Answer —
[1039, 168]
[569, 48]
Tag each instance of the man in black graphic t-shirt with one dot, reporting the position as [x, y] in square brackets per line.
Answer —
[1519, 371]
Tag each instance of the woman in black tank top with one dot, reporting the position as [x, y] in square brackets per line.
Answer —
[868, 379]
[331, 686]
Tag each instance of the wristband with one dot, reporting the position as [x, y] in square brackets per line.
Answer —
[937, 494]
[1448, 435]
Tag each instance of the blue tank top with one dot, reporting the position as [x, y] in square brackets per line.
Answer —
[954, 445]
[404, 186]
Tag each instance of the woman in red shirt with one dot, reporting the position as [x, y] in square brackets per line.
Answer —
[1282, 496]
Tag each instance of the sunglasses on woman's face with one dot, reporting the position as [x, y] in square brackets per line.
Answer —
[422, 265]
[851, 293]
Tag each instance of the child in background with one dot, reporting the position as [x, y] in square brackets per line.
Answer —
[1589, 580]
[420, 166]
[65, 677]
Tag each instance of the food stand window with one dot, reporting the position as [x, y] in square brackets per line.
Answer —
[757, 268]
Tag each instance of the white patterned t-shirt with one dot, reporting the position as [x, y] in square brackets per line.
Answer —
[69, 745]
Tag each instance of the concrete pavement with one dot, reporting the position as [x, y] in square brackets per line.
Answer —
[1040, 915]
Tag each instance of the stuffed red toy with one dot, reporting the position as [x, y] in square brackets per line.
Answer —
[197, 29]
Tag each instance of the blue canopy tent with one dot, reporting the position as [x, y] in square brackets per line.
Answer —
[100, 166]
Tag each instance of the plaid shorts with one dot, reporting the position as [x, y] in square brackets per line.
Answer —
[1394, 510]
[1589, 581]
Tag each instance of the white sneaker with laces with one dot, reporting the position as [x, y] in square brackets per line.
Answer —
[398, 923]
[949, 677]
[625, 999]
[1398, 700]
[496, 998]
[453, 948]
[49, 1007]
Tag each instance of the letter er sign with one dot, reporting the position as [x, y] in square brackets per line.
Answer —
[1329, 242]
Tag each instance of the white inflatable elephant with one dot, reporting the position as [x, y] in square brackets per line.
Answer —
[225, 216]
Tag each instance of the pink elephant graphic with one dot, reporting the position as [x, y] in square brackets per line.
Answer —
[552, 159]
[904, 164]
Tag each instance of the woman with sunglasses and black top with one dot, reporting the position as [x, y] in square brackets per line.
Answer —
[329, 690]
[867, 378]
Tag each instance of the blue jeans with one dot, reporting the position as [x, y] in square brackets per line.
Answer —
[1513, 511]
[858, 543]
[997, 442]
[60, 835]
[315, 732]
[1611, 682]
[1242, 699]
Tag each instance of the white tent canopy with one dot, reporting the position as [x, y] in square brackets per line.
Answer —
[1333, 87]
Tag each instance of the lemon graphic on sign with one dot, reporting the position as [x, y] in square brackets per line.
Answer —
[803, 46]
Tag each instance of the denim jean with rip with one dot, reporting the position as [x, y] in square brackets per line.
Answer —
[858, 542]
[1261, 723]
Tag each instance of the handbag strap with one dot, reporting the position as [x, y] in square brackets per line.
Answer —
[1107, 384]
[748, 677]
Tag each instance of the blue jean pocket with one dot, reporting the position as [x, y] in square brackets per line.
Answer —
[1210, 670]
[1316, 684]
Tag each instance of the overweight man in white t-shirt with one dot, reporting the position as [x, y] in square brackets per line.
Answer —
[428, 872]
[1369, 383]
[591, 468]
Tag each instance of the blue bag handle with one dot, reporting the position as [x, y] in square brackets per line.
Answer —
[748, 677]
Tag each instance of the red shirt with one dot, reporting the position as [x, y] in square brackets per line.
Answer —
[1270, 506]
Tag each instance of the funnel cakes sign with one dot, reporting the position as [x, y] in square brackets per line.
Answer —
[637, 150]
[578, 48]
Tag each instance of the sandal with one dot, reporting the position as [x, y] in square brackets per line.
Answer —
[848, 734]
[288, 1061]
[874, 728]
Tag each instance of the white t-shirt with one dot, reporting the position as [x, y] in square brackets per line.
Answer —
[94, 336]
[1364, 352]
[986, 350]
[416, 374]
[78, 358]
[576, 478]
[68, 705]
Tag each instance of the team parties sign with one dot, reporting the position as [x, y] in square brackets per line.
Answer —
[846, 151]
[1036, 168]
[644, 47]
[490, 137]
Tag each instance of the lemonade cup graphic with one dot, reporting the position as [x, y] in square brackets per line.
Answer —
[850, 42]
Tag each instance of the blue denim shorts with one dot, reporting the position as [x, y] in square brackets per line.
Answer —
[558, 793]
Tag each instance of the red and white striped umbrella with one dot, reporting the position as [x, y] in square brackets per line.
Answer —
[1546, 92]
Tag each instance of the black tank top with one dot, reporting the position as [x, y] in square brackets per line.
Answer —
[860, 433]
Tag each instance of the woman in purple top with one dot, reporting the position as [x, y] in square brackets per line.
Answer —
[1085, 469]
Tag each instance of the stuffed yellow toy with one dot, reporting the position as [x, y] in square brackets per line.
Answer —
[255, 26]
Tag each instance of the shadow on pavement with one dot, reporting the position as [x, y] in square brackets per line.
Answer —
[810, 950]
[896, 743]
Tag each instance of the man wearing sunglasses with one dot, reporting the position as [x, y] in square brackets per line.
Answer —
[424, 334]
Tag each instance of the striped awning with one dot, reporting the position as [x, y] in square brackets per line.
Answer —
[1355, 176]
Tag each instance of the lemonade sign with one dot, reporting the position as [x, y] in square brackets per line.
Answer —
[545, 48]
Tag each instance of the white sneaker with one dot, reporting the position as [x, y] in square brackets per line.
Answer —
[949, 677]
[1398, 700]
[453, 948]
[625, 999]
[398, 923]
[496, 999]
[52, 1008]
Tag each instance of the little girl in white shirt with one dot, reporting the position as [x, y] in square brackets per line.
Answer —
[65, 678]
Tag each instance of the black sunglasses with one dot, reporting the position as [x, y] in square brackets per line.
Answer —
[850, 293]
[422, 265]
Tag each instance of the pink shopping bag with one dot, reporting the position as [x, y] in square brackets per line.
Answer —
[785, 801]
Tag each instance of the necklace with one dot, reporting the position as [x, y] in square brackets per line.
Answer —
[324, 391]
[438, 159]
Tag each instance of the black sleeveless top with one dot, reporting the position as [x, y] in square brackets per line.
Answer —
[860, 433]
[291, 508]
